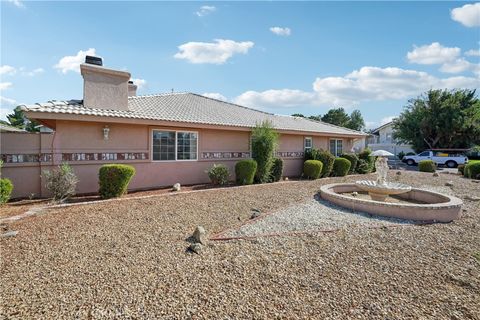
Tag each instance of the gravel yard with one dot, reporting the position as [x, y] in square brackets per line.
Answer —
[128, 259]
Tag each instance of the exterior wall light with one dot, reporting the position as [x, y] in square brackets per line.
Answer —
[106, 131]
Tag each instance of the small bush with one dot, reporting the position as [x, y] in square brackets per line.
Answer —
[312, 169]
[461, 168]
[114, 179]
[61, 182]
[427, 166]
[6, 188]
[363, 167]
[341, 166]
[353, 158]
[327, 160]
[400, 155]
[365, 155]
[277, 170]
[472, 170]
[245, 171]
[218, 174]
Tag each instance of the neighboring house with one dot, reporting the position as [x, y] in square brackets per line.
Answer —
[168, 138]
[7, 128]
[382, 139]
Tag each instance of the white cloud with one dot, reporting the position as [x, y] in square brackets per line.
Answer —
[468, 15]
[34, 72]
[215, 95]
[72, 63]
[205, 10]
[276, 98]
[217, 52]
[17, 3]
[279, 31]
[459, 65]
[140, 83]
[6, 106]
[7, 70]
[434, 53]
[365, 84]
[5, 85]
[473, 53]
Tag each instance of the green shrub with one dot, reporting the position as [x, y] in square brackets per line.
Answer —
[61, 182]
[341, 166]
[427, 166]
[370, 161]
[327, 160]
[400, 155]
[6, 188]
[264, 144]
[353, 158]
[218, 174]
[312, 169]
[472, 170]
[277, 170]
[245, 171]
[461, 168]
[363, 167]
[114, 179]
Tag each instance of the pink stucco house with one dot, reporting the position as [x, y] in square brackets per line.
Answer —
[168, 138]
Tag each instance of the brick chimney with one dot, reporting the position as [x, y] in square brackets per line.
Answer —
[104, 88]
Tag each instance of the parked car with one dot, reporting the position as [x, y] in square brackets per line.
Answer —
[448, 158]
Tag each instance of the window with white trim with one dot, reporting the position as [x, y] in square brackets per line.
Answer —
[308, 144]
[336, 147]
[174, 145]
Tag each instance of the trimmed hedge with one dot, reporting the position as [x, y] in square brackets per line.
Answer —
[6, 188]
[472, 170]
[461, 168]
[427, 166]
[245, 171]
[218, 174]
[312, 169]
[341, 166]
[363, 167]
[353, 158]
[327, 160]
[114, 179]
[277, 170]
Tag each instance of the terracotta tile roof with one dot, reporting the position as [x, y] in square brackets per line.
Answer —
[191, 108]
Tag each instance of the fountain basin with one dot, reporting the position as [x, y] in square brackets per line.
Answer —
[379, 192]
[417, 204]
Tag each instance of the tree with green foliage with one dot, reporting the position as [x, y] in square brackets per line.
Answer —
[298, 115]
[440, 119]
[336, 116]
[356, 121]
[17, 119]
[264, 145]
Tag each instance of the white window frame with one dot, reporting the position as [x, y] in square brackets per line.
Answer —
[305, 148]
[336, 146]
[176, 144]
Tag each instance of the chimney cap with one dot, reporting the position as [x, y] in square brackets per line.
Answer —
[94, 60]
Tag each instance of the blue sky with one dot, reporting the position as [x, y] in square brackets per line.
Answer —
[281, 57]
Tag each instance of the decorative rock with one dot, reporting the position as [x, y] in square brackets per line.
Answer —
[176, 187]
[286, 179]
[354, 194]
[472, 198]
[449, 184]
[399, 173]
[9, 234]
[196, 247]
[255, 213]
[199, 235]
[435, 174]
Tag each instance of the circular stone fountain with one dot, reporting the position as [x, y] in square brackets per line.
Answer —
[406, 203]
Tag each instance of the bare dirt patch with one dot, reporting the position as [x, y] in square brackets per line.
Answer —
[128, 259]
